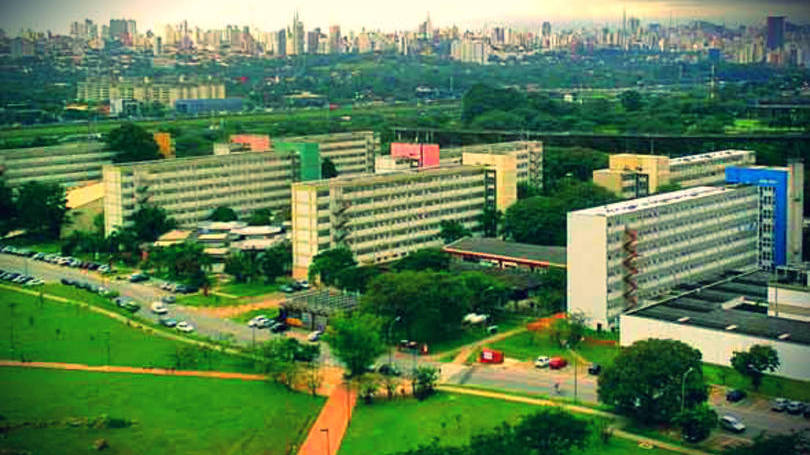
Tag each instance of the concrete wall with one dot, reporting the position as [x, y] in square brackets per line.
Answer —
[717, 346]
[587, 267]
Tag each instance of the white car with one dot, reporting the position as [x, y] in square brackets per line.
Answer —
[185, 327]
[315, 336]
[732, 424]
[541, 362]
[258, 321]
[159, 308]
[34, 282]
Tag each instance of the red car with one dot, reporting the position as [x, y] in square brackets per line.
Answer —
[556, 363]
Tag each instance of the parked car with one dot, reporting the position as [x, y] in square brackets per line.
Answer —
[795, 407]
[389, 369]
[286, 288]
[104, 269]
[315, 336]
[258, 321]
[595, 369]
[779, 404]
[121, 301]
[159, 308]
[279, 327]
[303, 284]
[168, 322]
[541, 361]
[138, 277]
[557, 362]
[735, 395]
[185, 327]
[35, 282]
[185, 289]
[168, 299]
[731, 423]
[131, 306]
[38, 256]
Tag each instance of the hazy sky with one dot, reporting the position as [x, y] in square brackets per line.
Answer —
[56, 15]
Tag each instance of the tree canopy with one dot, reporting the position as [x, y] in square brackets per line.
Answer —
[424, 259]
[356, 340]
[755, 362]
[150, 222]
[645, 379]
[132, 143]
[328, 169]
[541, 220]
[452, 230]
[328, 264]
[41, 209]
[223, 213]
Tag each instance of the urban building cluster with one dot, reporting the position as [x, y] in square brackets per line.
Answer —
[775, 41]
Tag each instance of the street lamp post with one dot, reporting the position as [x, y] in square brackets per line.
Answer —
[390, 348]
[683, 387]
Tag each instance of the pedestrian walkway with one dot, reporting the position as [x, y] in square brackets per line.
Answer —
[133, 370]
[465, 351]
[327, 432]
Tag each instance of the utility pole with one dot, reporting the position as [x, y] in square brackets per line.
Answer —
[575, 375]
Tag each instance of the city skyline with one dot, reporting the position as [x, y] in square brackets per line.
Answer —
[357, 14]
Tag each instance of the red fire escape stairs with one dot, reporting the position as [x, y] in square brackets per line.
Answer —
[629, 263]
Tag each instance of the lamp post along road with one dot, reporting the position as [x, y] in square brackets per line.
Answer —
[683, 387]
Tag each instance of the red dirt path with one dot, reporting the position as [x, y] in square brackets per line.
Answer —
[327, 432]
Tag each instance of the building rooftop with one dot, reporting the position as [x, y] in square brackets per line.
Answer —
[496, 148]
[656, 200]
[735, 303]
[368, 179]
[258, 230]
[488, 248]
[708, 156]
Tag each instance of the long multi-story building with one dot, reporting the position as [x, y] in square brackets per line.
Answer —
[622, 255]
[145, 90]
[70, 164]
[190, 188]
[384, 217]
[633, 175]
[352, 153]
[528, 156]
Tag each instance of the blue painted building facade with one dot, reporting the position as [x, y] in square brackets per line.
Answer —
[773, 184]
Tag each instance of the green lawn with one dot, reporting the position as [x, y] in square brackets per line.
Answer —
[390, 427]
[771, 385]
[598, 353]
[472, 334]
[211, 300]
[175, 415]
[248, 289]
[529, 345]
[61, 332]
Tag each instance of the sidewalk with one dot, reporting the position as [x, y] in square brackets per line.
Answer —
[327, 432]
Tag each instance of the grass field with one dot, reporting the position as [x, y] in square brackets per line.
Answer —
[528, 345]
[211, 300]
[473, 334]
[385, 428]
[771, 385]
[248, 289]
[174, 415]
[58, 332]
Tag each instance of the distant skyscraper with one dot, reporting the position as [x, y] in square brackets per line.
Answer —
[334, 39]
[312, 41]
[546, 30]
[281, 43]
[776, 32]
[296, 36]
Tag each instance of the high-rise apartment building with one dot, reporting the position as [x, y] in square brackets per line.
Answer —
[164, 92]
[622, 255]
[68, 164]
[469, 50]
[632, 175]
[335, 40]
[296, 37]
[384, 217]
[776, 33]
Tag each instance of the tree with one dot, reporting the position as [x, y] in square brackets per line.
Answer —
[356, 340]
[260, 217]
[223, 213]
[697, 422]
[425, 379]
[275, 261]
[668, 187]
[645, 380]
[452, 230]
[132, 143]
[278, 360]
[490, 221]
[552, 431]
[755, 362]
[526, 189]
[328, 169]
[327, 264]
[568, 332]
[424, 259]
[150, 222]
[7, 207]
[631, 100]
[541, 220]
[770, 444]
[41, 209]
[560, 163]
[356, 279]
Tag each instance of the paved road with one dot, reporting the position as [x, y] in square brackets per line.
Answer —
[146, 293]
[757, 415]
